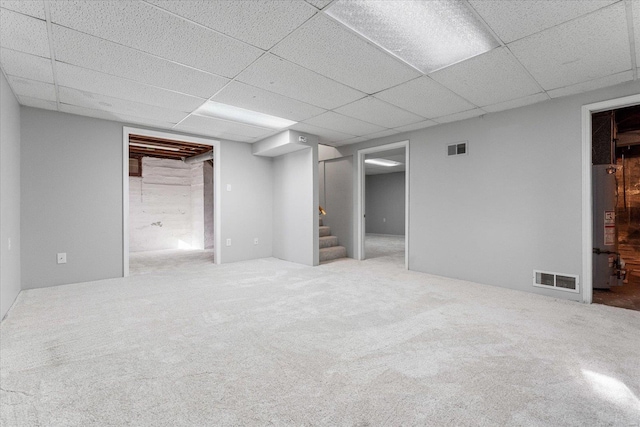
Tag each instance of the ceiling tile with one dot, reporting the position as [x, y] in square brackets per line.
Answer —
[416, 126]
[149, 29]
[514, 19]
[328, 48]
[325, 135]
[32, 88]
[33, 8]
[344, 124]
[37, 103]
[100, 114]
[595, 45]
[488, 79]
[351, 141]
[286, 78]
[219, 127]
[256, 99]
[98, 54]
[320, 4]
[23, 33]
[460, 116]
[117, 87]
[611, 80]
[515, 103]
[373, 110]
[119, 106]
[425, 97]
[27, 66]
[260, 23]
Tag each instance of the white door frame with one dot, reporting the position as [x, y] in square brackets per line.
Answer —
[126, 131]
[587, 197]
[360, 170]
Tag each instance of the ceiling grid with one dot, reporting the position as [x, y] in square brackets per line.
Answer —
[158, 62]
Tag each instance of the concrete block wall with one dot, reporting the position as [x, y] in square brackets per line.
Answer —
[166, 206]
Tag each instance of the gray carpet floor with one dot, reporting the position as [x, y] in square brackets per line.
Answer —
[272, 343]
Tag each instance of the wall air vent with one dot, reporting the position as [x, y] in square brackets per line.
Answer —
[558, 281]
[457, 149]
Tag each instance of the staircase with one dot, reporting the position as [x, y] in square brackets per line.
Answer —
[329, 249]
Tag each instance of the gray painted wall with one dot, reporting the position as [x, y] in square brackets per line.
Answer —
[385, 204]
[9, 197]
[71, 198]
[339, 200]
[294, 211]
[207, 172]
[247, 210]
[513, 204]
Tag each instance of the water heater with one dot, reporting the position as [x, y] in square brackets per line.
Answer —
[607, 265]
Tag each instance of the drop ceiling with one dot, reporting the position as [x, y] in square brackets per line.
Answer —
[397, 155]
[155, 62]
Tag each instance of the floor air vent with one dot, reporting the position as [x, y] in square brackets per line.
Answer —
[561, 282]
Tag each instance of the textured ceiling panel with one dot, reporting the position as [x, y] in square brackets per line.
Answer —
[117, 87]
[26, 66]
[344, 124]
[328, 48]
[33, 8]
[101, 55]
[253, 98]
[488, 79]
[210, 124]
[325, 135]
[425, 97]
[382, 134]
[460, 116]
[144, 27]
[515, 103]
[119, 106]
[37, 103]
[23, 33]
[99, 114]
[32, 88]
[373, 110]
[592, 84]
[320, 4]
[260, 23]
[286, 78]
[584, 49]
[416, 126]
[511, 20]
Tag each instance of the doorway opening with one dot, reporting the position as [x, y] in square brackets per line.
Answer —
[169, 210]
[383, 203]
[616, 207]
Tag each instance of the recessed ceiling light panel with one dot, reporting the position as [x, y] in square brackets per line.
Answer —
[426, 34]
[382, 162]
[236, 114]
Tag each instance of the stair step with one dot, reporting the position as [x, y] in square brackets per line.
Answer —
[334, 252]
[325, 230]
[328, 241]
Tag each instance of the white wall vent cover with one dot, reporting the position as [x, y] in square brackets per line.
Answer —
[558, 281]
[457, 149]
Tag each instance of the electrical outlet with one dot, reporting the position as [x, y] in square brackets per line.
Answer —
[62, 258]
[255, 241]
[228, 242]
[228, 187]
[384, 219]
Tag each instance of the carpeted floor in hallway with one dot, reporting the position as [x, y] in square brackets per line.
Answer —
[268, 342]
